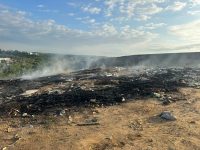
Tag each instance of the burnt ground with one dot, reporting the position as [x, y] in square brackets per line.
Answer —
[116, 108]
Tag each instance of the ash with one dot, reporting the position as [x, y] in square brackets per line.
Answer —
[92, 88]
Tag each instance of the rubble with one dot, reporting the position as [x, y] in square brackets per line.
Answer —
[29, 92]
[92, 88]
[93, 100]
[60, 112]
[70, 120]
[123, 99]
[24, 115]
[167, 116]
[157, 95]
[166, 101]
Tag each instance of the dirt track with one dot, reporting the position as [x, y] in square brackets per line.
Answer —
[133, 125]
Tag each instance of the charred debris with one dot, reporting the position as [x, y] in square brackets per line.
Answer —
[93, 88]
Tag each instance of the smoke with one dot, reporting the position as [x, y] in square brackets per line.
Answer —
[155, 60]
[52, 68]
[61, 65]
[66, 64]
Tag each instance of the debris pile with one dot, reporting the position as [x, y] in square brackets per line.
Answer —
[92, 88]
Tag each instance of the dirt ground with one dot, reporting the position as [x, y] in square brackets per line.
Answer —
[132, 125]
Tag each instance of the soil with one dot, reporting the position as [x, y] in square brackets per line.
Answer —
[131, 125]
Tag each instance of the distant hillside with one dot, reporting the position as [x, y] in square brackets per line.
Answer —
[162, 60]
[17, 64]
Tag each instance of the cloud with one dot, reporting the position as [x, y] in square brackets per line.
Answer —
[44, 9]
[190, 32]
[150, 10]
[152, 26]
[72, 4]
[143, 18]
[92, 10]
[177, 6]
[87, 20]
[19, 31]
[194, 3]
[40, 6]
[194, 12]
[119, 31]
[71, 14]
[48, 11]
[107, 30]
[21, 12]
[145, 13]
[141, 10]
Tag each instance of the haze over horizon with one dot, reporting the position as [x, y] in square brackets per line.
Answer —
[100, 27]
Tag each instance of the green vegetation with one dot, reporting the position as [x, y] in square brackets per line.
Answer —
[15, 63]
[21, 63]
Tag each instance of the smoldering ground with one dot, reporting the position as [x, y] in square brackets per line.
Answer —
[61, 65]
[70, 63]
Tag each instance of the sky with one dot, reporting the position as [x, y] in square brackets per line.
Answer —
[100, 27]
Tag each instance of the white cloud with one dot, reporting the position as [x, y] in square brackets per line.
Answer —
[43, 8]
[194, 12]
[152, 26]
[71, 14]
[128, 9]
[72, 4]
[145, 13]
[92, 20]
[87, 20]
[137, 9]
[194, 3]
[17, 31]
[190, 32]
[92, 10]
[116, 34]
[21, 12]
[107, 30]
[150, 10]
[48, 11]
[119, 20]
[40, 6]
[177, 6]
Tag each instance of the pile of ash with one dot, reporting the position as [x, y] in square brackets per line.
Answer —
[91, 88]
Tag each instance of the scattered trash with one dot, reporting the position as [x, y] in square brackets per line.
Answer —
[93, 100]
[29, 92]
[166, 101]
[70, 120]
[157, 95]
[14, 112]
[56, 91]
[60, 112]
[167, 116]
[24, 115]
[123, 99]
[90, 88]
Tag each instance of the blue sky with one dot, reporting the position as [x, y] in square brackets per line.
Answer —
[100, 27]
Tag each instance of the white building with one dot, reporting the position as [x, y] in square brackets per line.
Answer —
[6, 60]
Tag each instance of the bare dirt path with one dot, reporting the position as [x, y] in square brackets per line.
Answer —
[133, 125]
